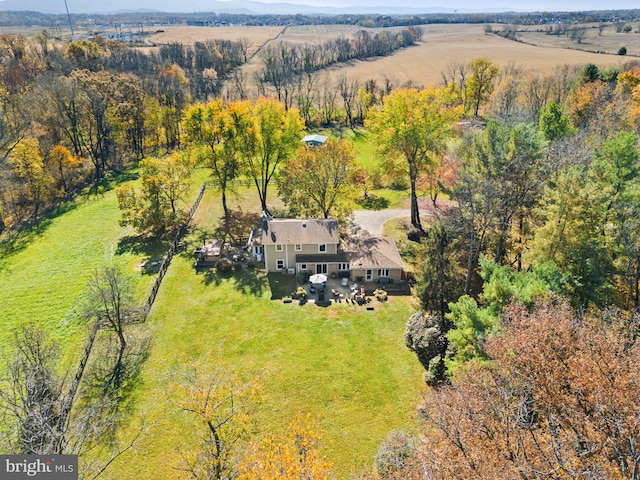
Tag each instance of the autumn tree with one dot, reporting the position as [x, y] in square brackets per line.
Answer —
[220, 135]
[65, 165]
[277, 134]
[616, 169]
[559, 398]
[413, 125]
[501, 176]
[480, 82]
[320, 180]
[164, 186]
[438, 177]
[174, 96]
[294, 454]
[222, 405]
[571, 236]
[28, 165]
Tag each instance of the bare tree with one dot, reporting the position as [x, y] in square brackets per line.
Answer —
[111, 298]
[348, 91]
[222, 404]
[577, 34]
[34, 405]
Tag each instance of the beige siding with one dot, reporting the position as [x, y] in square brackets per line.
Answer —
[362, 273]
[289, 252]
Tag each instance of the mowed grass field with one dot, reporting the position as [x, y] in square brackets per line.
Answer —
[45, 272]
[345, 365]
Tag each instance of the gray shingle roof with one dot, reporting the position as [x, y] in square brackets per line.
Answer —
[306, 231]
[374, 252]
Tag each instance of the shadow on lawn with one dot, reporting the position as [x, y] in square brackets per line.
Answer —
[152, 248]
[249, 281]
[14, 242]
[281, 285]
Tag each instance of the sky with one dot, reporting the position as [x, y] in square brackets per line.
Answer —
[555, 5]
[78, 6]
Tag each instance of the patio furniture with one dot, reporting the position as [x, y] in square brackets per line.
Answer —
[344, 282]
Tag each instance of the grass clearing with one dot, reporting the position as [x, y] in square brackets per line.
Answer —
[43, 279]
[45, 270]
[347, 365]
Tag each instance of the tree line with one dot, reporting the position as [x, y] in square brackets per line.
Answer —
[528, 277]
[71, 113]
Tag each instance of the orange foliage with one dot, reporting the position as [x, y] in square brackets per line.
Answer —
[294, 455]
[561, 399]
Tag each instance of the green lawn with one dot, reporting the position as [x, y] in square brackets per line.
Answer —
[347, 365]
[44, 271]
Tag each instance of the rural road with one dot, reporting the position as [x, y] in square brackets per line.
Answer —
[372, 220]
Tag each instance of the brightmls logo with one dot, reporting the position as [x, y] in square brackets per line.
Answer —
[49, 467]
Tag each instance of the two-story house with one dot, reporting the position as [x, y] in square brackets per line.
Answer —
[313, 245]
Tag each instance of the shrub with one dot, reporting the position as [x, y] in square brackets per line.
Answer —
[399, 183]
[394, 455]
[380, 294]
[622, 51]
[425, 336]
[373, 202]
[224, 265]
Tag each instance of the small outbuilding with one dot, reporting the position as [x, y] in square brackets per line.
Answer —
[315, 140]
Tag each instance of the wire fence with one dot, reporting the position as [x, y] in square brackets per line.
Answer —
[167, 259]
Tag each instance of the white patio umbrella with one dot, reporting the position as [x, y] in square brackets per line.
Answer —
[318, 278]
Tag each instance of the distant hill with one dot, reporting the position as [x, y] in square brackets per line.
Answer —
[235, 7]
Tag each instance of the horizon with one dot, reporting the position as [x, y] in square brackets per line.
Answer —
[307, 6]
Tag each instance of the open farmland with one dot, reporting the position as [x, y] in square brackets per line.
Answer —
[608, 40]
[422, 64]
[445, 44]
[256, 36]
[322, 33]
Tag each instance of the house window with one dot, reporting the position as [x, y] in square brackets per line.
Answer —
[279, 247]
[280, 264]
[303, 266]
[368, 275]
[383, 272]
[298, 247]
[343, 266]
[322, 247]
[321, 268]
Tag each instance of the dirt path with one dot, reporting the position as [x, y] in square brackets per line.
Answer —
[373, 220]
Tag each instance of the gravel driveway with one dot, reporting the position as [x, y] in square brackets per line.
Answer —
[372, 220]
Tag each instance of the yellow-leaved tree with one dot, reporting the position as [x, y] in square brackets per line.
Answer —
[292, 455]
[413, 126]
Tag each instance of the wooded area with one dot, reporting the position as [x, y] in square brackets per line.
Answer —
[528, 276]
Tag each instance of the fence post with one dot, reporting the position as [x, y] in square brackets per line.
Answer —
[167, 260]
